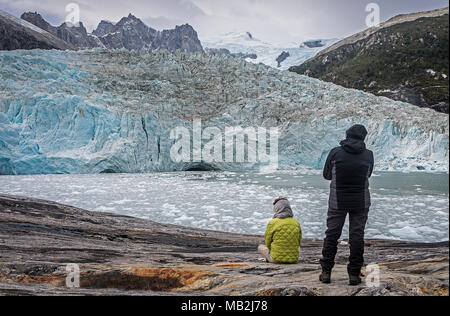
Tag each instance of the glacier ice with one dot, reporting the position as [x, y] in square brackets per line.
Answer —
[112, 111]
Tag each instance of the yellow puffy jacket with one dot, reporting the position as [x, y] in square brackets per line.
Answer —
[283, 238]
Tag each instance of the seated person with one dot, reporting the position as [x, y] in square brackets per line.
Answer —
[283, 235]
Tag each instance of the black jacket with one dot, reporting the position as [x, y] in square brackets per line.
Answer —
[349, 168]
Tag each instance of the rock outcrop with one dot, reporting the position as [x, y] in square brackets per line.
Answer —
[119, 255]
[78, 36]
[224, 51]
[313, 44]
[37, 20]
[19, 34]
[183, 38]
[283, 56]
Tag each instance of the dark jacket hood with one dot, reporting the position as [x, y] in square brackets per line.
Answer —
[354, 144]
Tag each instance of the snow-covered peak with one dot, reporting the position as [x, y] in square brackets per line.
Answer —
[267, 53]
[245, 39]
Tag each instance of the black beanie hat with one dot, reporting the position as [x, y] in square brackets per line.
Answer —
[357, 132]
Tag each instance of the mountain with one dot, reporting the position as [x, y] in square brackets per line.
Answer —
[129, 33]
[115, 111]
[183, 38]
[245, 43]
[405, 59]
[75, 35]
[19, 34]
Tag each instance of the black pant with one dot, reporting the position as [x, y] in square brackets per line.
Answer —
[335, 223]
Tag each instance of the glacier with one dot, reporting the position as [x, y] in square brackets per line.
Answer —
[103, 111]
[267, 53]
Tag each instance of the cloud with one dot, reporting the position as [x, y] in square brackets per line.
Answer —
[92, 12]
[269, 20]
[299, 19]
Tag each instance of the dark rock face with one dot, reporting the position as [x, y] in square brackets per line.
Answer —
[217, 51]
[78, 36]
[313, 44]
[183, 38]
[36, 19]
[129, 33]
[75, 35]
[406, 61]
[224, 51]
[245, 56]
[283, 56]
[19, 34]
[120, 255]
[104, 28]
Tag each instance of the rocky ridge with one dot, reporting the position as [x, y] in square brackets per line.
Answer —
[129, 33]
[19, 34]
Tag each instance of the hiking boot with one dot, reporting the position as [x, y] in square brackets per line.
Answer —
[325, 277]
[354, 280]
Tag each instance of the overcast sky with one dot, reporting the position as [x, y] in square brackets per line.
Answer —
[269, 20]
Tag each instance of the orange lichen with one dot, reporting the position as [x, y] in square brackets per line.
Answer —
[153, 279]
[41, 279]
[144, 279]
[436, 291]
[236, 265]
[186, 277]
[269, 292]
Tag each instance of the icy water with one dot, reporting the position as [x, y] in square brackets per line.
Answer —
[406, 206]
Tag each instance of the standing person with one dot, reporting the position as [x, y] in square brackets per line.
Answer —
[283, 235]
[349, 168]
